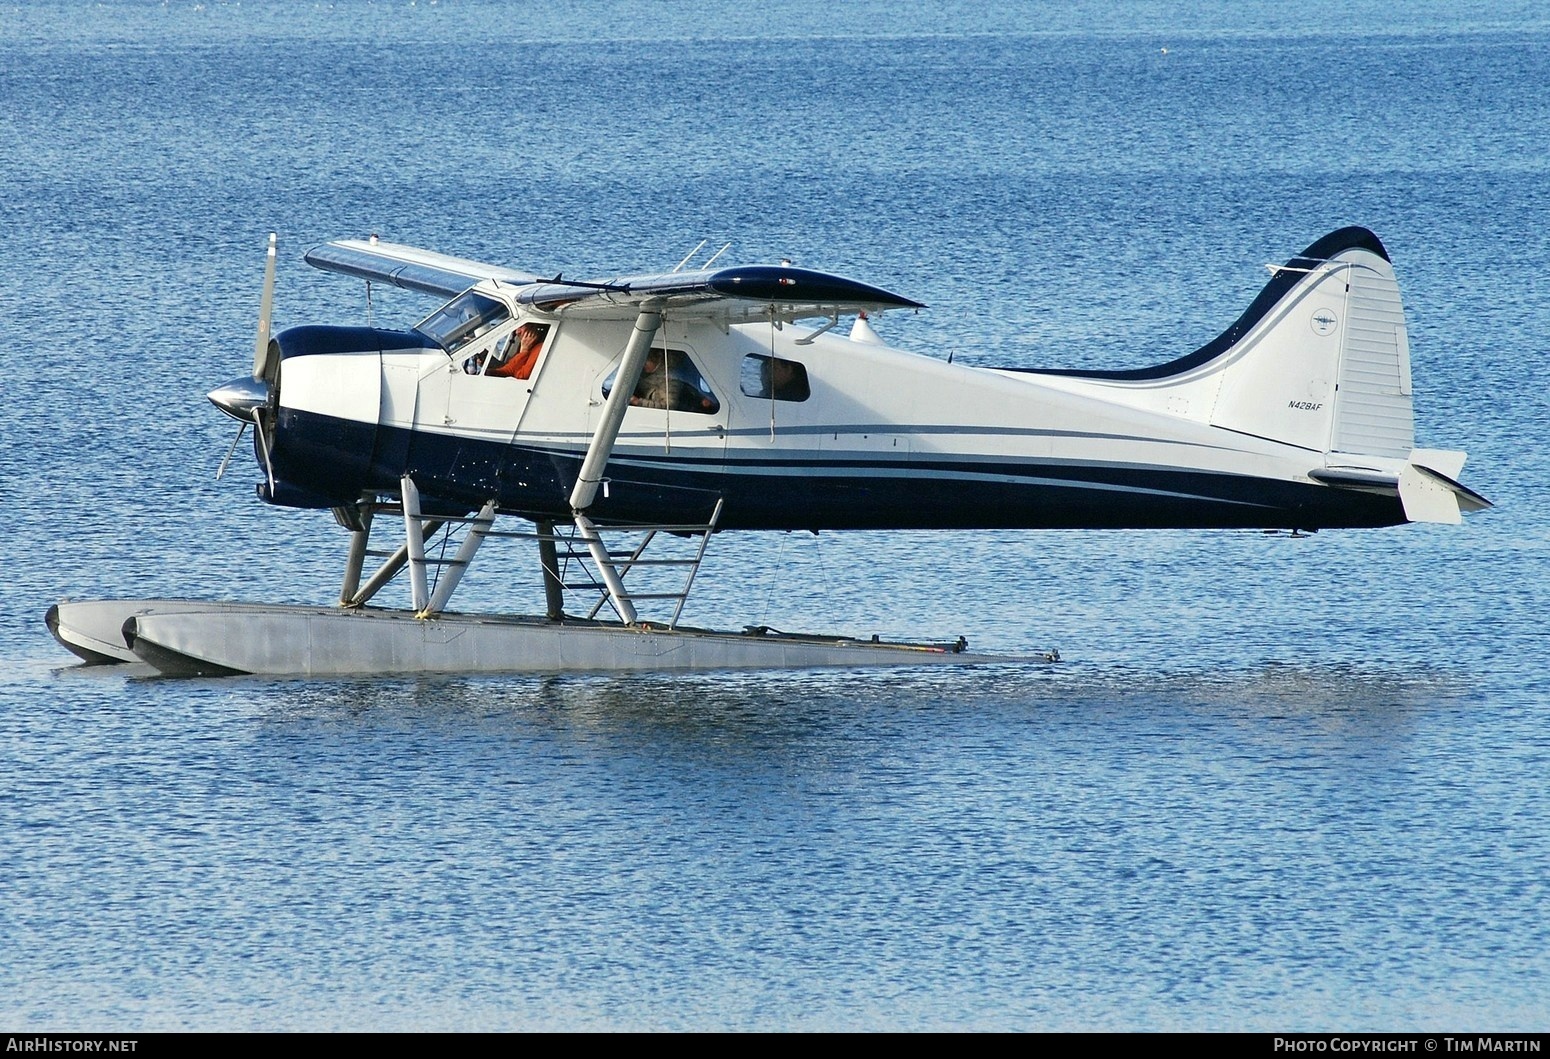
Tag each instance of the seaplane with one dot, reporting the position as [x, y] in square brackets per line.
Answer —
[604, 419]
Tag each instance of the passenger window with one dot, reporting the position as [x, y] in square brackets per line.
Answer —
[773, 377]
[670, 382]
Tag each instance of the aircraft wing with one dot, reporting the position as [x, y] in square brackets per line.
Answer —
[408, 267]
[749, 292]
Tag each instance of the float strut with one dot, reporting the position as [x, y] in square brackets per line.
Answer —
[414, 540]
[605, 566]
[357, 556]
[554, 589]
[477, 529]
[390, 568]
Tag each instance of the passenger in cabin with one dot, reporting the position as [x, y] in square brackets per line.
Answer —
[788, 380]
[519, 365]
[651, 391]
[773, 377]
[474, 365]
[662, 385]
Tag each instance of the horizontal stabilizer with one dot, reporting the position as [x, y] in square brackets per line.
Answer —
[1432, 496]
[1449, 464]
[408, 267]
[1426, 485]
[1427, 497]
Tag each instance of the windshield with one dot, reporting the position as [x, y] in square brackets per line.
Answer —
[462, 319]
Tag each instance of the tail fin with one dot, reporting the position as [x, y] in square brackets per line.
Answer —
[1326, 365]
[1320, 360]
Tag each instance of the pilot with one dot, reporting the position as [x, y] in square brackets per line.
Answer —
[519, 365]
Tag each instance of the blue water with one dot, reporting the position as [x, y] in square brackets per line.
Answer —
[1275, 783]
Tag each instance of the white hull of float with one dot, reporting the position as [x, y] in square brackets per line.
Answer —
[216, 639]
[93, 630]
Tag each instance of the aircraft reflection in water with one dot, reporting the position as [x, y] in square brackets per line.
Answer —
[693, 401]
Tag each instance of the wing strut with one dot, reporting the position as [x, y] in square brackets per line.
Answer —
[602, 444]
[647, 323]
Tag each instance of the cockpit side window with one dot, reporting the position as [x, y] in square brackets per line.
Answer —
[670, 381]
[774, 378]
[462, 320]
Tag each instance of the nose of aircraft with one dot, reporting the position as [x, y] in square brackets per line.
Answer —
[240, 397]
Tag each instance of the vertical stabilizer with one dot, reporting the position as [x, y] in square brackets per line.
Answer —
[1327, 368]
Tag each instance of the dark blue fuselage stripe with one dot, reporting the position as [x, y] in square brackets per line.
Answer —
[320, 455]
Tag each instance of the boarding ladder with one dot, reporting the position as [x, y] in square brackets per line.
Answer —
[680, 550]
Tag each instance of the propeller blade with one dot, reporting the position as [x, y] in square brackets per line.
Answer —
[262, 366]
[241, 430]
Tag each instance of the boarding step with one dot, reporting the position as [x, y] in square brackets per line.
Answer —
[621, 562]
